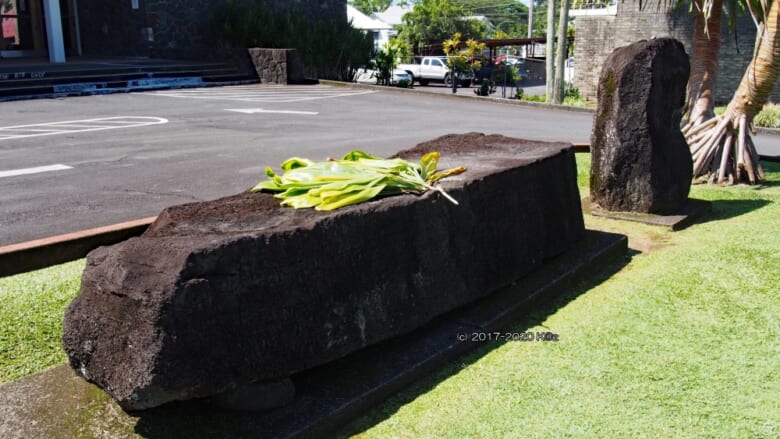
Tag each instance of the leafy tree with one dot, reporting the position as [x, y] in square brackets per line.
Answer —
[461, 61]
[404, 50]
[368, 7]
[500, 35]
[433, 21]
[510, 17]
[387, 60]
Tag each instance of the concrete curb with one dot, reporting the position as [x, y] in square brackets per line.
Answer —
[768, 131]
[42, 253]
[471, 96]
[585, 147]
[760, 130]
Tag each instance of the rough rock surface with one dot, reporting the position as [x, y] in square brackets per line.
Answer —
[640, 159]
[225, 293]
[277, 66]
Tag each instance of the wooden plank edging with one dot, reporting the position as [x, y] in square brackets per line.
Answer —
[42, 253]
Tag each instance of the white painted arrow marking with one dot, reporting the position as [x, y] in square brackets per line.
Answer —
[260, 110]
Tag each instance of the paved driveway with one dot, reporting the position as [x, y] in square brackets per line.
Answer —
[76, 163]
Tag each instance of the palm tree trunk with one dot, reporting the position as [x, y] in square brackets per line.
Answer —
[722, 148]
[704, 62]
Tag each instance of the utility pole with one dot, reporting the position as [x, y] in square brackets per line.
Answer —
[560, 67]
[530, 18]
[548, 51]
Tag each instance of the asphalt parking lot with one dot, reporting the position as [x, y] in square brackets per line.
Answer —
[76, 163]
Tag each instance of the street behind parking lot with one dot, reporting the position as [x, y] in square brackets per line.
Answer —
[77, 163]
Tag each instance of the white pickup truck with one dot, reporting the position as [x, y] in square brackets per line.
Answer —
[434, 68]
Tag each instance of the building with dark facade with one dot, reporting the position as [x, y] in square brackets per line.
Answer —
[59, 29]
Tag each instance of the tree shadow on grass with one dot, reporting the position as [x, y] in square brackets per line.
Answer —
[531, 314]
[726, 209]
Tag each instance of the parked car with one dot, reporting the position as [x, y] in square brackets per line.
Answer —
[494, 70]
[400, 75]
[370, 76]
[434, 68]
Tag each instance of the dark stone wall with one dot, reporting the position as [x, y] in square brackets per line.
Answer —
[179, 28]
[277, 66]
[111, 29]
[598, 36]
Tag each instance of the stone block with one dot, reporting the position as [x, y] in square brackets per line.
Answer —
[224, 294]
[640, 159]
[278, 66]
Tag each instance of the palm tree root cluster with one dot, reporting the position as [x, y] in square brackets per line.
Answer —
[723, 150]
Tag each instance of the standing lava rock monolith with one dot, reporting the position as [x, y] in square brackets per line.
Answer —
[640, 159]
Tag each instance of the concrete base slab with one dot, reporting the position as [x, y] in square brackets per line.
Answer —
[57, 403]
[689, 214]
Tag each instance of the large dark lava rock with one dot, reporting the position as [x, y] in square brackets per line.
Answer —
[219, 294]
[640, 160]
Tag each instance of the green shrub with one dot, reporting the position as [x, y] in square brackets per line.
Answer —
[505, 74]
[404, 83]
[769, 117]
[534, 98]
[386, 61]
[571, 98]
[486, 88]
[331, 49]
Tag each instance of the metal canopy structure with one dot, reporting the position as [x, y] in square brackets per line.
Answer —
[529, 43]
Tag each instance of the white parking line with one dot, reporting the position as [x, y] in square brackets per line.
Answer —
[36, 170]
[77, 126]
[264, 93]
[260, 110]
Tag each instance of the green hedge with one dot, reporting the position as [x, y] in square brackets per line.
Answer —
[769, 117]
[331, 49]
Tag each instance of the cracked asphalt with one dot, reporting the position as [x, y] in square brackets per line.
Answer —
[178, 146]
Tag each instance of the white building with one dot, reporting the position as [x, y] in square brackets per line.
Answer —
[393, 15]
[381, 31]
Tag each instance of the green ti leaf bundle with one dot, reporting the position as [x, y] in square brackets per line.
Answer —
[356, 178]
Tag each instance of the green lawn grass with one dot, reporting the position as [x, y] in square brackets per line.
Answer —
[768, 117]
[682, 340]
[31, 311]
